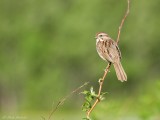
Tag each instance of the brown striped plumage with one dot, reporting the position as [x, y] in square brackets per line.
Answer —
[109, 51]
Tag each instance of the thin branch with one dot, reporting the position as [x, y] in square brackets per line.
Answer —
[64, 99]
[122, 22]
[101, 81]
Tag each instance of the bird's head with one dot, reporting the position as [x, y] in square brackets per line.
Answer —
[102, 36]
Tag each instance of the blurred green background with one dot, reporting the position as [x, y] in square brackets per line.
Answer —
[47, 49]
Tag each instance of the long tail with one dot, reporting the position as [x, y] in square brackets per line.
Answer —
[121, 75]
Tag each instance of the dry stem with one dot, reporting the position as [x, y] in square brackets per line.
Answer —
[64, 99]
[101, 81]
[122, 22]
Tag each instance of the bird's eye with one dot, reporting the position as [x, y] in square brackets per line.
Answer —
[100, 35]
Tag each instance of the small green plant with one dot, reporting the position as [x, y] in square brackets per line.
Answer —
[89, 97]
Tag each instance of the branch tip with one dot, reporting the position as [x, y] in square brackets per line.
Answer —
[122, 22]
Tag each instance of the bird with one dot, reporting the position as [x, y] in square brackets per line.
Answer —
[109, 51]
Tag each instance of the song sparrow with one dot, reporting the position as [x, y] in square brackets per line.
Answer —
[109, 51]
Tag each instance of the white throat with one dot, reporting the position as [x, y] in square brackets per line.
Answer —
[97, 40]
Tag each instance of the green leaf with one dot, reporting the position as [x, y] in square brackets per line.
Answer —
[93, 94]
[91, 90]
[89, 98]
[86, 106]
[103, 93]
[85, 92]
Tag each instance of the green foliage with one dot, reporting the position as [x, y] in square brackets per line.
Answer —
[89, 97]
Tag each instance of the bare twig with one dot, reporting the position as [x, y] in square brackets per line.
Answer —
[64, 99]
[122, 22]
[101, 81]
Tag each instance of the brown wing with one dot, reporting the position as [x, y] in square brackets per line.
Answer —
[113, 51]
[118, 51]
